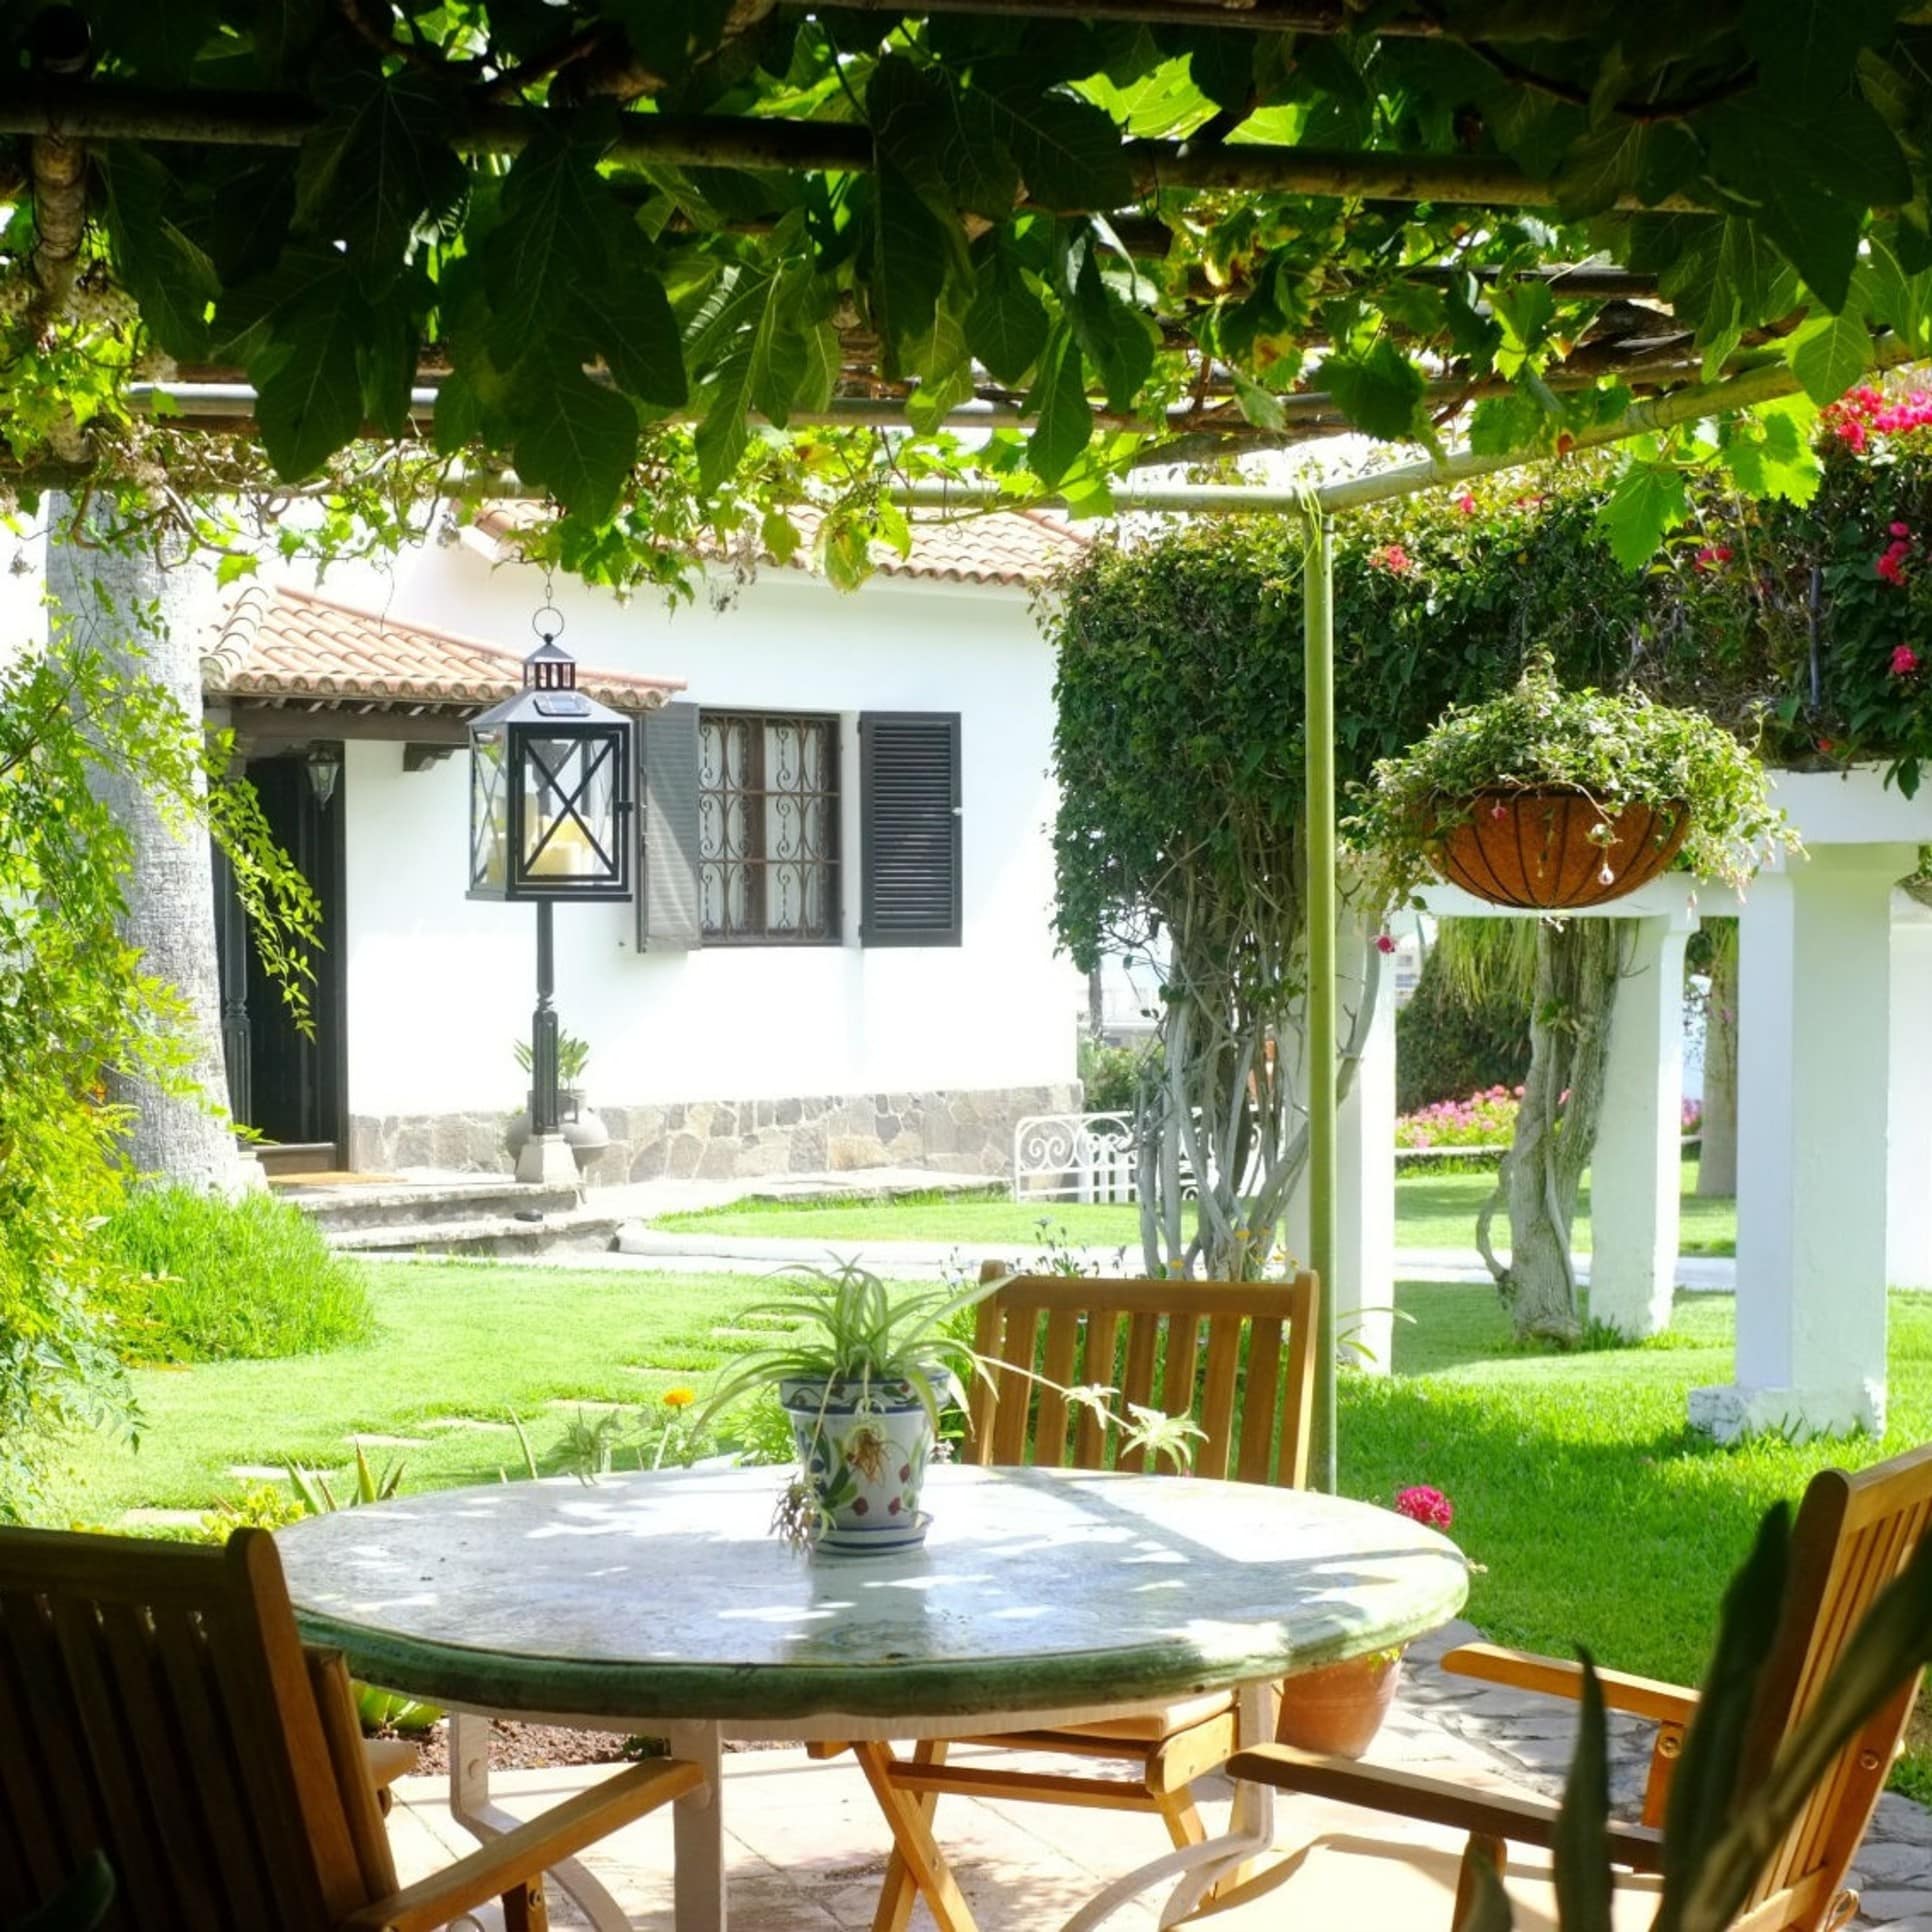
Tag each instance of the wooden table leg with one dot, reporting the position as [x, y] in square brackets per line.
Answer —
[912, 1835]
[472, 1808]
[900, 1892]
[697, 1823]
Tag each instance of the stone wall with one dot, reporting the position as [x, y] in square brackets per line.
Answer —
[955, 1133]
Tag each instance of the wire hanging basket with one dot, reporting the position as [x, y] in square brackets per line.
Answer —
[1554, 849]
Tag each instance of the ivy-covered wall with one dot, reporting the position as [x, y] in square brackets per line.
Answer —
[1805, 627]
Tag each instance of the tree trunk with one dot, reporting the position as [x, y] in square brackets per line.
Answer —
[1717, 1162]
[1577, 968]
[145, 608]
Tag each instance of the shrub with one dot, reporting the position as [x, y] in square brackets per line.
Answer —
[1445, 1046]
[1112, 1075]
[220, 1280]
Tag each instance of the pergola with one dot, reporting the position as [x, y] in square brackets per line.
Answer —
[464, 106]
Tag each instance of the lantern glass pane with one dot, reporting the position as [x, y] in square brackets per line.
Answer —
[489, 813]
[570, 807]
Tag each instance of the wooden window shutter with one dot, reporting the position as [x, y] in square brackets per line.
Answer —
[669, 916]
[909, 819]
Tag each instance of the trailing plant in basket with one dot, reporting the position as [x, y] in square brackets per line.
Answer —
[1616, 748]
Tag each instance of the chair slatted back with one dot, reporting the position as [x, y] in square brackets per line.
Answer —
[1853, 1535]
[156, 1704]
[1237, 1356]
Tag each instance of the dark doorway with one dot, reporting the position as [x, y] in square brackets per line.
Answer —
[291, 1087]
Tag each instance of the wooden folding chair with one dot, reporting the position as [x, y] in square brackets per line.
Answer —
[1853, 1535]
[1252, 1392]
[157, 1707]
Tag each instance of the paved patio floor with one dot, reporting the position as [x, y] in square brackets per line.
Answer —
[806, 1847]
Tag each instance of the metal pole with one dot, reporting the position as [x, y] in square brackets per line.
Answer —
[1318, 817]
[544, 1107]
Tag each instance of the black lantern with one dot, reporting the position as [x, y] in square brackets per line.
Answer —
[550, 790]
[549, 821]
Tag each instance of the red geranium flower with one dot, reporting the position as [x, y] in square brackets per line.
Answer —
[1424, 1505]
[1905, 661]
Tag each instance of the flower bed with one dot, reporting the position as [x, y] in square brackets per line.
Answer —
[1484, 1120]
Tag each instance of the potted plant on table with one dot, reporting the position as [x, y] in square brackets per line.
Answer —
[584, 1131]
[862, 1374]
[1338, 1709]
[1553, 800]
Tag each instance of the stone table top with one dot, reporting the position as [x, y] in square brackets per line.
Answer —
[666, 1596]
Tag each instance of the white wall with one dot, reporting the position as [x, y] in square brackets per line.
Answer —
[439, 987]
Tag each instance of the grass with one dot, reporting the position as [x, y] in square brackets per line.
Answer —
[451, 1340]
[220, 1280]
[1431, 1211]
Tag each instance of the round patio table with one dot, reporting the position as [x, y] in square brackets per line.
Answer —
[661, 1602]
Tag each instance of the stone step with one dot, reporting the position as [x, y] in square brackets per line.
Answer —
[340, 1210]
[487, 1234]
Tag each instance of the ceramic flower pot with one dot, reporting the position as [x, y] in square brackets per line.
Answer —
[1338, 1709]
[864, 1450]
[1551, 847]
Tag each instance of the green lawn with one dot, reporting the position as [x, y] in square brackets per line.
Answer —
[1431, 1211]
[454, 1340]
[1594, 1511]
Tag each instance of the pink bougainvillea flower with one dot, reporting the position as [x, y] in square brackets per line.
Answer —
[1901, 529]
[1466, 504]
[1713, 554]
[1905, 661]
[1394, 559]
[1891, 565]
[1499, 810]
[1384, 943]
[1422, 1504]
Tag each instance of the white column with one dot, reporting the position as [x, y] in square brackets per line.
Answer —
[1908, 1206]
[1814, 1024]
[1635, 1173]
[1364, 1285]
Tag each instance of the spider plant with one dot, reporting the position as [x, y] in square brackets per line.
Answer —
[844, 1328]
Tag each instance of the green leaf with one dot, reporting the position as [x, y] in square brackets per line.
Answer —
[1259, 406]
[670, 36]
[914, 255]
[1771, 451]
[1117, 341]
[941, 138]
[1380, 393]
[167, 274]
[627, 317]
[1582, 1846]
[1649, 499]
[1063, 418]
[458, 421]
[380, 166]
[1805, 47]
[1069, 152]
[1526, 308]
[578, 441]
[1829, 353]
[1006, 325]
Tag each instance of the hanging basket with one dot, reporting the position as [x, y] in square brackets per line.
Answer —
[1542, 849]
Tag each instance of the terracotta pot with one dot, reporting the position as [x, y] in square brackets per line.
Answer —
[1541, 848]
[1338, 1709]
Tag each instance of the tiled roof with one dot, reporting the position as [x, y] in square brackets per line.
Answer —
[1016, 548]
[281, 643]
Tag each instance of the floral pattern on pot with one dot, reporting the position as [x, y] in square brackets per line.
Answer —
[864, 1449]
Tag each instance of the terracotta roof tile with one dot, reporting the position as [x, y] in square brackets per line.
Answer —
[283, 643]
[1016, 548]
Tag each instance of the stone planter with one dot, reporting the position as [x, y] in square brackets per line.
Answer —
[1338, 1709]
[1539, 849]
[865, 1452]
[583, 1130]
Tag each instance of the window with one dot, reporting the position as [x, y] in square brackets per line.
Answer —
[768, 829]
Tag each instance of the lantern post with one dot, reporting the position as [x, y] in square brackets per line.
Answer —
[549, 823]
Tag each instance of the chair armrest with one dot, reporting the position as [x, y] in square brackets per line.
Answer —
[1522, 1818]
[1639, 1696]
[524, 1854]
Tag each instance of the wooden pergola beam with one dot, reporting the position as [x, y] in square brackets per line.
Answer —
[102, 112]
[1240, 16]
